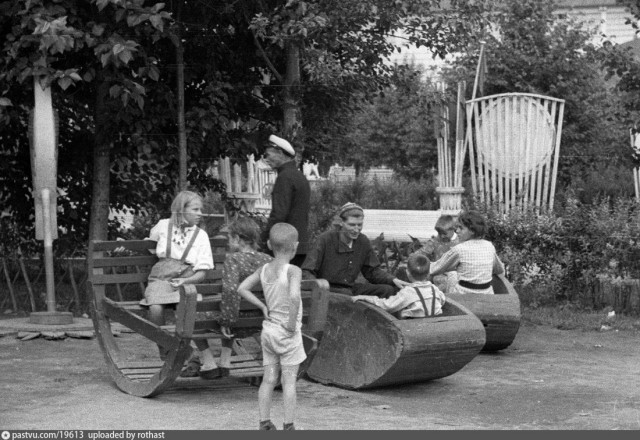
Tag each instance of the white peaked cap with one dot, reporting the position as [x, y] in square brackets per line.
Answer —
[283, 144]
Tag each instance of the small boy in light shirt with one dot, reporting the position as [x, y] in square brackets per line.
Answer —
[417, 300]
[436, 247]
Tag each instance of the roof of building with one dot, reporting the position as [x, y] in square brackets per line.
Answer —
[587, 3]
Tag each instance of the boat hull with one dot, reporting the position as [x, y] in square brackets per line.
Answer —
[366, 347]
[500, 313]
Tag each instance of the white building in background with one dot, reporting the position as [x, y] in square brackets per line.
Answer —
[606, 16]
[339, 173]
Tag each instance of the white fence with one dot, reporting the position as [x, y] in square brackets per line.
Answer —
[250, 183]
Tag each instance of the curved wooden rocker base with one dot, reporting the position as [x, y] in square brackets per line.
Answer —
[138, 378]
[195, 319]
[500, 313]
[365, 347]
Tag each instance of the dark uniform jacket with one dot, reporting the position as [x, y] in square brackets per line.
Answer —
[330, 258]
[290, 203]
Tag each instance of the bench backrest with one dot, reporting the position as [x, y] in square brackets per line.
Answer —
[111, 273]
[399, 225]
[125, 273]
[314, 306]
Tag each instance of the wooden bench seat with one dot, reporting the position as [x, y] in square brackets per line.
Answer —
[400, 225]
[113, 273]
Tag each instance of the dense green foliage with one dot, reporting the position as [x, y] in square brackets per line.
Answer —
[115, 70]
[566, 254]
[395, 128]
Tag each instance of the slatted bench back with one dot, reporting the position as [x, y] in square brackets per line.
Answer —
[110, 274]
[249, 315]
[125, 273]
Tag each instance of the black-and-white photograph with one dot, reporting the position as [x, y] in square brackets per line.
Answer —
[318, 215]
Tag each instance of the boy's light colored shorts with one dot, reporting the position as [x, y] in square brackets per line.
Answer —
[279, 347]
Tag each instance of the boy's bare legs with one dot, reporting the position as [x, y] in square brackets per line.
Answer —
[265, 393]
[289, 378]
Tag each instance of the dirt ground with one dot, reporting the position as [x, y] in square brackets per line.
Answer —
[548, 379]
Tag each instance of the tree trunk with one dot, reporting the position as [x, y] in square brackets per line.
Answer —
[291, 109]
[176, 38]
[101, 169]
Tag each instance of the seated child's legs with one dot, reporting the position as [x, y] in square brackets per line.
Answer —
[156, 314]
[225, 352]
[206, 356]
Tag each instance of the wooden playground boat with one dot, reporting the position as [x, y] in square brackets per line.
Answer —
[499, 313]
[364, 347]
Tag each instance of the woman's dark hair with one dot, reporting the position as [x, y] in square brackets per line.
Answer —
[475, 222]
[247, 229]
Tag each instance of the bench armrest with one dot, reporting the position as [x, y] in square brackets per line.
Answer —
[315, 283]
[319, 306]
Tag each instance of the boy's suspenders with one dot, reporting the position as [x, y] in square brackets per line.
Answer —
[186, 251]
[424, 304]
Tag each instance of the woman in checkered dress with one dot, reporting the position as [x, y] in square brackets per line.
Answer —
[474, 259]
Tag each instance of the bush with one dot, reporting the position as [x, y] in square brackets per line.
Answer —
[601, 182]
[564, 255]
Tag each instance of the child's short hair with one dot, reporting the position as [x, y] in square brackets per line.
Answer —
[350, 210]
[179, 204]
[418, 266]
[282, 237]
[247, 229]
[475, 222]
[444, 223]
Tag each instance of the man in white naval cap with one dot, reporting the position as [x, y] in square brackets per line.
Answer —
[290, 196]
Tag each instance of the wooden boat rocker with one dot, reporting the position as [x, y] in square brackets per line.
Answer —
[109, 272]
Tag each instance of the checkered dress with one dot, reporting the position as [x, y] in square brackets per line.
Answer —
[475, 261]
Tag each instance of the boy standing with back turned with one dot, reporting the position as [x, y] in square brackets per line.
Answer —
[281, 336]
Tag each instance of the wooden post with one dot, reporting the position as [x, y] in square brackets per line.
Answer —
[8, 277]
[43, 144]
[28, 283]
[76, 295]
[48, 251]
